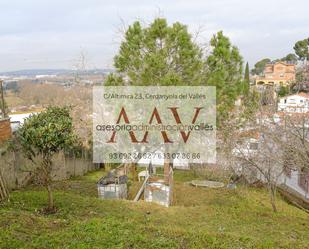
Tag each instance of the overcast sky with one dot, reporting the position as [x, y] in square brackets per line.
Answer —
[51, 33]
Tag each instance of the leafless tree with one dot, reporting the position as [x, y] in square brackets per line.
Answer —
[267, 145]
[261, 156]
[80, 65]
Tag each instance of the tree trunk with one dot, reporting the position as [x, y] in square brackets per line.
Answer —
[272, 192]
[50, 197]
[4, 194]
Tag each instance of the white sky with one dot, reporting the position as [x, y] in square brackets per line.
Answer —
[51, 33]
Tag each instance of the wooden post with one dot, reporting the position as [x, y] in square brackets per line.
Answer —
[2, 100]
[166, 166]
[133, 171]
[171, 185]
[166, 170]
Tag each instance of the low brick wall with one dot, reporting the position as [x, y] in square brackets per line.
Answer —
[5, 130]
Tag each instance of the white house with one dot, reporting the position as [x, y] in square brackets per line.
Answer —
[296, 103]
[248, 144]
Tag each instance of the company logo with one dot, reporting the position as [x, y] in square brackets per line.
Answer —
[134, 122]
[156, 118]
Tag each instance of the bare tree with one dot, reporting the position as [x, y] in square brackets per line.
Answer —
[80, 65]
[260, 157]
[267, 145]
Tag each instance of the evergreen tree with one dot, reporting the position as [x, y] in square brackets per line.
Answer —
[42, 136]
[290, 58]
[162, 54]
[246, 80]
[302, 49]
[158, 55]
[225, 72]
[259, 66]
[247, 74]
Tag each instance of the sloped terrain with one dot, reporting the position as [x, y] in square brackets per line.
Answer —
[200, 218]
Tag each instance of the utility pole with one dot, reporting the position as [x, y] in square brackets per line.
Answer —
[2, 100]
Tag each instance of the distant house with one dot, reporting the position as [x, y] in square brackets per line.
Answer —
[296, 103]
[277, 74]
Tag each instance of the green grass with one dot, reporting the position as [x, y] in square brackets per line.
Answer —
[200, 218]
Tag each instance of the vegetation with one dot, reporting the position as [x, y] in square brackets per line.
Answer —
[250, 106]
[302, 49]
[259, 66]
[42, 136]
[33, 97]
[246, 80]
[165, 55]
[290, 58]
[12, 86]
[247, 74]
[200, 218]
[283, 91]
[224, 66]
[158, 55]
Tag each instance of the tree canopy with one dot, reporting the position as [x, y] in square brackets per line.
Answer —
[224, 67]
[259, 66]
[246, 79]
[301, 49]
[162, 54]
[290, 58]
[158, 55]
[44, 134]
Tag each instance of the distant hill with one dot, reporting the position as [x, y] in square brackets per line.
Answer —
[34, 72]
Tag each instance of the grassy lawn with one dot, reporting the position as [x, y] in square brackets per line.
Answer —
[200, 218]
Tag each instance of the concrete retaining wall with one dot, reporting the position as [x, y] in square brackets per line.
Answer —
[15, 168]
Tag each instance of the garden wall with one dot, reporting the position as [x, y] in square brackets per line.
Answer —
[15, 168]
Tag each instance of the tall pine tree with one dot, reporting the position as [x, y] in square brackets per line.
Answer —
[159, 54]
[225, 67]
[246, 83]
